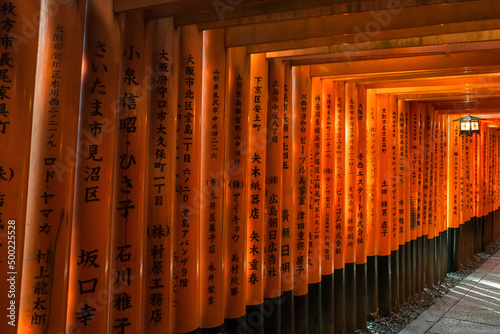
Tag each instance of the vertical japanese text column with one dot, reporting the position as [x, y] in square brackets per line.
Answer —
[257, 140]
[212, 180]
[327, 196]
[128, 231]
[301, 115]
[17, 90]
[314, 213]
[236, 151]
[274, 168]
[360, 207]
[160, 176]
[186, 226]
[88, 308]
[371, 177]
[288, 210]
[52, 169]
[339, 222]
[351, 147]
[273, 192]
[382, 200]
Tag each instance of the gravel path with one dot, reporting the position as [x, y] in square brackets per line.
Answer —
[418, 304]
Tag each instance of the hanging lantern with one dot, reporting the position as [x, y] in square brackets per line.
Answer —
[469, 125]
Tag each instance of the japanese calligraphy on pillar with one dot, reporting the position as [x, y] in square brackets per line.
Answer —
[94, 174]
[212, 181]
[8, 67]
[414, 163]
[427, 173]
[384, 174]
[454, 173]
[443, 186]
[393, 142]
[371, 172]
[256, 179]
[17, 88]
[187, 183]
[339, 199]
[301, 116]
[274, 167]
[235, 171]
[51, 185]
[351, 144]
[327, 177]
[402, 133]
[360, 187]
[315, 167]
[160, 175]
[287, 213]
[420, 167]
[131, 138]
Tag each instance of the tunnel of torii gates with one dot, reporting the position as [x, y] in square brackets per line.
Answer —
[157, 177]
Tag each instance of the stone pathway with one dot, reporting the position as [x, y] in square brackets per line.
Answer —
[471, 307]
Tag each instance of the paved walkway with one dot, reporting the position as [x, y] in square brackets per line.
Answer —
[471, 307]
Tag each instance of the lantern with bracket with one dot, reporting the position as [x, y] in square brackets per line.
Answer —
[469, 125]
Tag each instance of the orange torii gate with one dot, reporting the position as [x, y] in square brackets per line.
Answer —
[217, 189]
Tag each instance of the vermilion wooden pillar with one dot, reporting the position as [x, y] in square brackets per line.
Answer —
[414, 187]
[127, 229]
[327, 198]
[339, 208]
[88, 309]
[360, 196]
[15, 138]
[315, 208]
[428, 181]
[235, 169]
[453, 187]
[350, 147]
[382, 202]
[274, 196]
[186, 225]
[160, 175]
[212, 181]
[44, 285]
[301, 124]
[371, 176]
[443, 186]
[393, 190]
[256, 178]
[288, 209]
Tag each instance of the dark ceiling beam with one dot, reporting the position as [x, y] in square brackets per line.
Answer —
[366, 26]
[460, 63]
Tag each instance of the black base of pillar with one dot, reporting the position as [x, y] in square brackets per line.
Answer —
[419, 277]
[402, 274]
[339, 301]
[429, 262]
[214, 330]
[394, 280]
[287, 324]
[371, 287]
[361, 293]
[452, 249]
[314, 309]
[272, 315]
[234, 325]
[327, 305]
[384, 285]
[408, 270]
[414, 265]
[300, 313]
[350, 300]
[254, 319]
